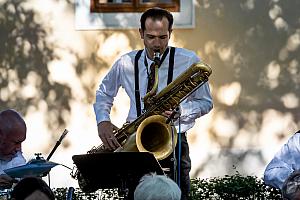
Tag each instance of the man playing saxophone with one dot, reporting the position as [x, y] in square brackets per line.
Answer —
[136, 66]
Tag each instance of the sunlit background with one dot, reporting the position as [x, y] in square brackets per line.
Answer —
[49, 72]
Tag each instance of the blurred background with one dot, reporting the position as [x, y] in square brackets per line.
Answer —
[50, 70]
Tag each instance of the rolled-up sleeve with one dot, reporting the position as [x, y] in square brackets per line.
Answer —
[284, 163]
[106, 93]
[196, 105]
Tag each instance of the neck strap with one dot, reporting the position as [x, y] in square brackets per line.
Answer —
[136, 74]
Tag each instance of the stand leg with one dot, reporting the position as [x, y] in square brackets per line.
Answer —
[123, 190]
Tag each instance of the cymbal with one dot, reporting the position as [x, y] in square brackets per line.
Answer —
[35, 167]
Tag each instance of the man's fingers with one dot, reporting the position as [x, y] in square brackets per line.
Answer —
[5, 178]
[6, 181]
[166, 113]
[175, 114]
[113, 142]
[110, 141]
[116, 143]
[15, 181]
[107, 142]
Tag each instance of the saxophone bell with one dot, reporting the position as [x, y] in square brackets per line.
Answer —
[155, 136]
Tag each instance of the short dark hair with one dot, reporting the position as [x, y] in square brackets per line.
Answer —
[156, 13]
[291, 186]
[29, 185]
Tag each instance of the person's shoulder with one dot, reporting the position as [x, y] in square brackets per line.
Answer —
[128, 55]
[131, 53]
[294, 139]
[185, 52]
[296, 134]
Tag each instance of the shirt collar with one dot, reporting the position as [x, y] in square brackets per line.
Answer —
[162, 57]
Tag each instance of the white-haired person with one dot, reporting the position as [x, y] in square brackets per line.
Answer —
[157, 187]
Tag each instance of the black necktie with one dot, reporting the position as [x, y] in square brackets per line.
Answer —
[151, 78]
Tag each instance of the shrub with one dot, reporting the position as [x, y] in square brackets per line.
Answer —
[232, 187]
[218, 188]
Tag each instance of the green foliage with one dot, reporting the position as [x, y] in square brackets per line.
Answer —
[217, 188]
[232, 187]
[105, 194]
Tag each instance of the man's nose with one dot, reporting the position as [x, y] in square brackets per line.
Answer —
[156, 42]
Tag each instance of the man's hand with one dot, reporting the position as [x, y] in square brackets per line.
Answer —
[6, 181]
[105, 132]
[173, 114]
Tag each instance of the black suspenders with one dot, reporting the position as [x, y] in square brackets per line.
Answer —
[136, 76]
[171, 65]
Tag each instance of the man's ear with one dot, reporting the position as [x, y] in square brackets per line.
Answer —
[141, 33]
[170, 32]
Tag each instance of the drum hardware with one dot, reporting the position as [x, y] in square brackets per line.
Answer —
[35, 167]
[38, 166]
[70, 193]
[5, 194]
[63, 135]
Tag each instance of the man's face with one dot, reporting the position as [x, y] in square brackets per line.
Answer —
[37, 195]
[10, 143]
[156, 35]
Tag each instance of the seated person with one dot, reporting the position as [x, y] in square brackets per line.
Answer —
[32, 188]
[291, 187]
[284, 163]
[157, 187]
[12, 134]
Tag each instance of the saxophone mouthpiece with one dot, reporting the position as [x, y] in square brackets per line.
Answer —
[157, 57]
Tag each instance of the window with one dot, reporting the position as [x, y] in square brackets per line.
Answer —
[98, 6]
[87, 20]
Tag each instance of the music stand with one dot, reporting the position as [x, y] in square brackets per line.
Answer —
[121, 170]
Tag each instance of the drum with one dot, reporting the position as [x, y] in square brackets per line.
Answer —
[5, 194]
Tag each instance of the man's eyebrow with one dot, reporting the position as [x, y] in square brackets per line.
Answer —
[157, 35]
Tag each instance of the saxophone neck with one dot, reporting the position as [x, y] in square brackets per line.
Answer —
[153, 90]
[156, 58]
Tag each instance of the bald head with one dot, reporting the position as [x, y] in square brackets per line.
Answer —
[12, 133]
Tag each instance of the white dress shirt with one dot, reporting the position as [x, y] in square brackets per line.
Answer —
[16, 161]
[121, 74]
[285, 162]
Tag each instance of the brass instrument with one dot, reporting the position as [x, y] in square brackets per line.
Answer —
[155, 85]
[149, 132]
[168, 99]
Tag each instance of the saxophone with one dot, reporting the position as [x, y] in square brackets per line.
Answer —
[131, 134]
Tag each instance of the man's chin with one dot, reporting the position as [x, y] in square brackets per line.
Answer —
[6, 157]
